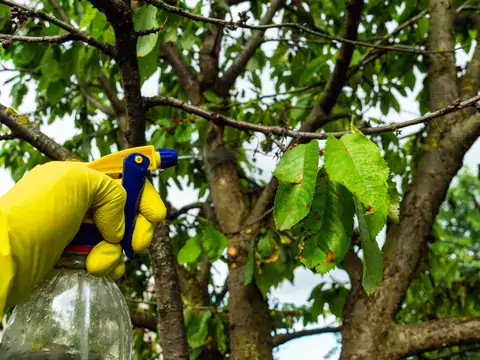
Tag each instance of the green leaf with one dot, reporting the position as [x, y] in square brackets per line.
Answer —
[394, 102]
[355, 162]
[212, 97]
[394, 196]
[220, 335]
[355, 58]
[89, 15]
[189, 252]
[170, 34]
[188, 39]
[197, 328]
[250, 267]
[49, 66]
[313, 67]
[213, 242]
[148, 65]
[293, 164]
[372, 256]
[266, 245]
[55, 92]
[423, 26]
[331, 221]
[193, 354]
[146, 18]
[385, 104]
[98, 24]
[292, 201]
[19, 90]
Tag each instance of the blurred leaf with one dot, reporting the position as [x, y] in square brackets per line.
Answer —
[372, 256]
[145, 18]
[250, 267]
[189, 252]
[197, 328]
[213, 241]
[19, 90]
[55, 92]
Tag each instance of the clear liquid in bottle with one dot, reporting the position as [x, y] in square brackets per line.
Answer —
[71, 315]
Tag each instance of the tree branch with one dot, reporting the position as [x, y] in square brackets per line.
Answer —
[20, 128]
[232, 25]
[7, 137]
[431, 335]
[283, 338]
[471, 80]
[187, 79]
[220, 119]
[75, 33]
[375, 53]
[118, 105]
[143, 320]
[209, 54]
[183, 210]
[57, 39]
[59, 10]
[97, 103]
[319, 114]
[240, 62]
[119, 15]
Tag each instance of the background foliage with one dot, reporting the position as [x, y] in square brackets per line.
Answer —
[334, 196]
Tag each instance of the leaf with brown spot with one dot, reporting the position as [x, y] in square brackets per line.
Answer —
[331, 235]
[356, 162]
[330, 257]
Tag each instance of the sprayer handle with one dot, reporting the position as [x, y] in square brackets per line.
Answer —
[135, 168]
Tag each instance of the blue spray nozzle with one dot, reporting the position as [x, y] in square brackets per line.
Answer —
[168, 158]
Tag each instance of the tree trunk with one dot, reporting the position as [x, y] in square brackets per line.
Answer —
[169, 302]
[248, 310]
[369, 328]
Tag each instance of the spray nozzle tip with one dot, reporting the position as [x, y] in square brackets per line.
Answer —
[168, 158]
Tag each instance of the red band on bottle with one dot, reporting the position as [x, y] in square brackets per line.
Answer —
[79, 249]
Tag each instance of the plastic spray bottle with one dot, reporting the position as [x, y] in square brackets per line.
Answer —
[73, 315]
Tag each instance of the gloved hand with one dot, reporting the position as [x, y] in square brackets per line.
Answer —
[43, 212]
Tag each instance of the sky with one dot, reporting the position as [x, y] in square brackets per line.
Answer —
[314, 347]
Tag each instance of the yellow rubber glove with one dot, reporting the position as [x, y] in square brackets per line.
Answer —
[43, 212]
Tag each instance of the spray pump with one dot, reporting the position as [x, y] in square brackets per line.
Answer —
[73, 315]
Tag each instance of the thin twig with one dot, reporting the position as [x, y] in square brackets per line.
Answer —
[295, 91]
[74, 32]
[183, 210]
[283, 338]
[30, 71]
[7, 137]
[463, 6]
[277, 142]
[254, 221]
[241, 24]
[278, 130]
[364, 58]
[151, 31]
[57, 39]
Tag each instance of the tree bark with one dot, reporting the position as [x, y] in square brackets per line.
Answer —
[369, 329]
[169, 301]
[248, 315]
